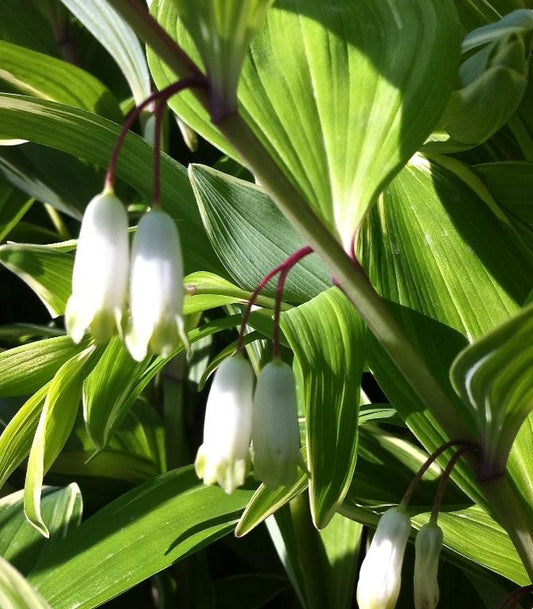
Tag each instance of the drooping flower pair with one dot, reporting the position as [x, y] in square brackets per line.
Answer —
[236, 416]
[102, 271]
[380, 576]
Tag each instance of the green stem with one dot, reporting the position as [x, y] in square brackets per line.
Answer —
[511, 513]
[138, 18]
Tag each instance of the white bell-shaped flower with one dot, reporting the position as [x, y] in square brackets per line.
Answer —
[381, 571]
[428, 544]
[156, 288]
[101, 267]
[275, 433]
[224, 456]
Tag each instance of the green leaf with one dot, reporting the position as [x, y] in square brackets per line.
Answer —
[250, 235]
[493, 79]
[266, 502]
[13, 206]
[41, 173]
[47, 271]
[205, 291]
[493, 377]
[48, 78]
[475, 13]
[15, 591]
[380, 72]
[55, 424]
[20, 543]
[119, 39]
[374, 484]
[163, 520]
[511, 184]
[17, 437]
[27, 368]
[107, 391]
[341, 541]
[91, 137]
[24, 25]
[453, 270]
[329, 343]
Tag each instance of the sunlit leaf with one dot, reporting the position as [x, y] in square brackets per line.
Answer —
[17, 437]
[163, 520]
[27, 368]
[119, 40]
[106, 389]
[380, 72]
[23, 69]
[329, 343]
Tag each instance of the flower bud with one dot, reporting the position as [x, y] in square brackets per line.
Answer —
[381, 572]
[100, 275]
[156, 290]
[428, 544]
[275, 432]
[224, 455]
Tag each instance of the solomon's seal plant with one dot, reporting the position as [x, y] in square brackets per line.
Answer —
[347, 252]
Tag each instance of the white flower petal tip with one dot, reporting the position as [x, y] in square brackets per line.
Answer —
[428, 544]
[100, 275]
[156, 288]
[224, 456]
[381, 571]
[275, 431]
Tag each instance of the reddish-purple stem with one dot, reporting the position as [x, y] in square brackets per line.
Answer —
[164, 94]
[277, 311]
[445, 478]
[515, 597]
[433, 457]
[284, 268]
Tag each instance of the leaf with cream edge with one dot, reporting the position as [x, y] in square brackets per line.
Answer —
[16, 592]
[384, 85]
[43, 76]
[493, 377]
[20, 543]
[55, 424]
[118, 38]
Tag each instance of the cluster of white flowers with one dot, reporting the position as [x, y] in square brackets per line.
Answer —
[103, 271]
[381, 572]
[236, 416]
